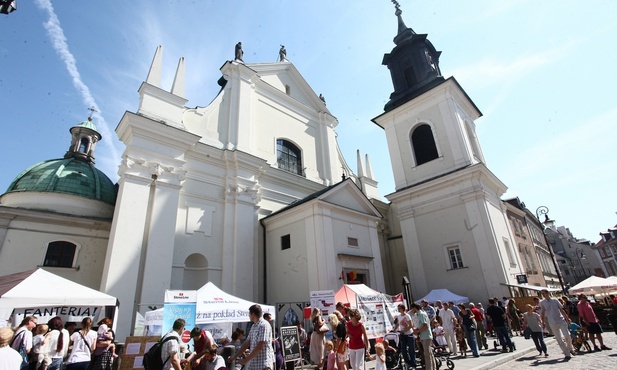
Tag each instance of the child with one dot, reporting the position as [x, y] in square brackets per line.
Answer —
[330, 355]
[388, 346]
[104, 334]
[460, 338]
[39, 349]
[440, 337]
[379, 357]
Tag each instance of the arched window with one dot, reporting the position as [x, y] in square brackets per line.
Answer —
[289, 157]
[60, 254]
[83, 145]
[423, 144]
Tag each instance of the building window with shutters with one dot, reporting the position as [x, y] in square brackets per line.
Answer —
[455, 259]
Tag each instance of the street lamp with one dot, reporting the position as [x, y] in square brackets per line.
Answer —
[407, 292]
[543, 210]
[581, 256]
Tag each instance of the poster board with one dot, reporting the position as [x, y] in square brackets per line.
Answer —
[290, 341]
[378, 312]
[134, 349]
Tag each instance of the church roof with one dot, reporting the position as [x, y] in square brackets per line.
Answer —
[68, 176]
[360, 203]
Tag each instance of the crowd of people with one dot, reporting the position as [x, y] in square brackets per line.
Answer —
[456, 330]
[423, 330]
[47, 346]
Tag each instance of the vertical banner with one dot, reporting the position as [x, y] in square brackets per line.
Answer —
[378, 312]
[324, 300]
[180, 304]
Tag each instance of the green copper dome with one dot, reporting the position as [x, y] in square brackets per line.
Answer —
[68, 176]
[87, 124]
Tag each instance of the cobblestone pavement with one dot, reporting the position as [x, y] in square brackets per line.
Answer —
[582, 361]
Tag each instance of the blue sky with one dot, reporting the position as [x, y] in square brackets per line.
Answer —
[542, 73]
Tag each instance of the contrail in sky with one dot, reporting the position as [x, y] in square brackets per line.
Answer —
[56, 34]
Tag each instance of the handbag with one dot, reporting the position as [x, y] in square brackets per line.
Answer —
[527, 332]
[342, 347]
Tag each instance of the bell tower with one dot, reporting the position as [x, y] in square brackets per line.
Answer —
[446, 202]
[429, 120]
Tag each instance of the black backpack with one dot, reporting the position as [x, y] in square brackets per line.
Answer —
[572, 308]
[152, 359]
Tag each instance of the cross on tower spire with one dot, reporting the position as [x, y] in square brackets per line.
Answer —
[92, 110]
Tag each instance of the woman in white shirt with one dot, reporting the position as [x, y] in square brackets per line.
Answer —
[84, 342]
[58, 343]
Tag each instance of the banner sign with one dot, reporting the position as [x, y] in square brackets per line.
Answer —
[378, 313]
[219, 329]
[324, 300]
[180, 304]
[66, 313]
[291, 343]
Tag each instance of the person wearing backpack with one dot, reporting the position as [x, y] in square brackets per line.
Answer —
[170, 351]
[571, 309]
[22, 341]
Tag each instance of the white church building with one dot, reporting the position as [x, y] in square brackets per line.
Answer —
[252, 193]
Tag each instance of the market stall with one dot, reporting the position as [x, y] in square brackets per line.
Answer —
[45, 295]
[214, 306]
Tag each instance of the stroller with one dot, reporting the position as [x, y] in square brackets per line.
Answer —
[394, 358]
[440, 356]
[578, 338]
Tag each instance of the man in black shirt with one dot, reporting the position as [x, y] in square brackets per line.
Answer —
[497, 316]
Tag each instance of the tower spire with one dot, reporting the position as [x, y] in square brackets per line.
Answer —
[413, 63]
[178, 87]
[404, 32]
[156, 69]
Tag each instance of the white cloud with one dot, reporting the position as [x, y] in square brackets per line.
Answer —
[491, 71]
[59, 42]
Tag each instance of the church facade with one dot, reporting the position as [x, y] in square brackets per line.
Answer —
[252, 193]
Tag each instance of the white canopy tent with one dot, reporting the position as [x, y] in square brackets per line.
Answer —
[443, 295]
[594, 285]
[215, 306]
[46, 295]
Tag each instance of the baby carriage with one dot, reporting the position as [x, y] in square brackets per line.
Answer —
[394, 358]
[578, 339]
[440, 356]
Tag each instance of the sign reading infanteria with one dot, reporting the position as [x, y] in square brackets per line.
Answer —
[67, 313]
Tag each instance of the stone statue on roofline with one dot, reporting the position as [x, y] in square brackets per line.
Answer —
[282, 54]
[239, 52]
